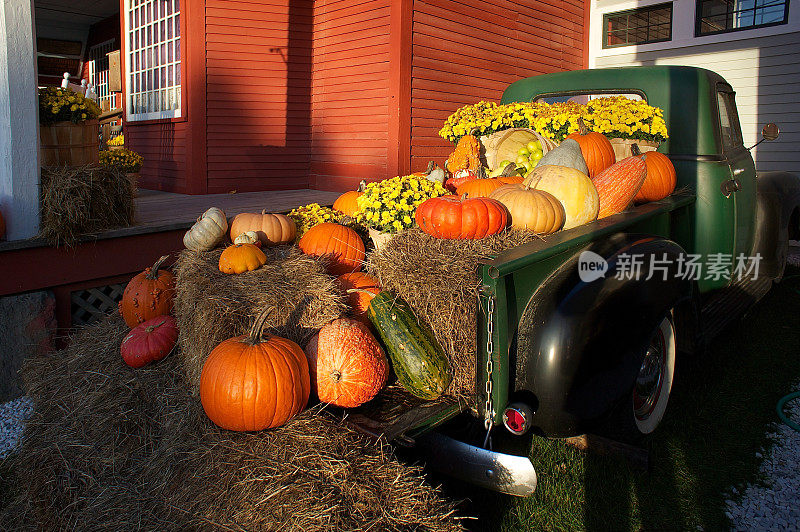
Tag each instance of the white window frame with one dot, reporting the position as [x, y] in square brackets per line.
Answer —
[157, 115]
[100, 77]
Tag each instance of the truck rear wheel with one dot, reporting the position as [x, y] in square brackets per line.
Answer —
[653, 383]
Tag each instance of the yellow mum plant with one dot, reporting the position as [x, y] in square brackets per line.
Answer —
[61, 105]
[125, 161]
[390, 205]
[119, 140]
[307, 216]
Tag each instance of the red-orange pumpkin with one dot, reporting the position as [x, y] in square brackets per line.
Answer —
[347, 203]
[459, 178]
[618, 184]
[359, 301]
[595, 148]
[461, 218]
[346, 363]
[660, 180]
[478, 188]
[148, 294]
[341, 245]
[254, 382]
[150, 341]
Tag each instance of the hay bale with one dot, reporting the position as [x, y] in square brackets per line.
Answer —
[211, 306]
[439, 279]
[79, 200]
[112, 448]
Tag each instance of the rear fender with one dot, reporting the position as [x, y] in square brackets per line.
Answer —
[580, 344]
[777, 219]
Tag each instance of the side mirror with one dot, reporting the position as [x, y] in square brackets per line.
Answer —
[770, 131]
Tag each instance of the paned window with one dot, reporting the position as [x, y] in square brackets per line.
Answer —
[98, 72]
[638, 26]
[720, 16]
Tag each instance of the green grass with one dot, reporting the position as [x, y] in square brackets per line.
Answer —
[717, 420]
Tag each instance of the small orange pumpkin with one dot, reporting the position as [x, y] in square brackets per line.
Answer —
[240, 258]
[359, 301]
[346, 363]
[254, 382]
[347, 203]
[272, 229]
[595, 148]
[660, 180]
[148, 294]
[478, 188]
[341, 245]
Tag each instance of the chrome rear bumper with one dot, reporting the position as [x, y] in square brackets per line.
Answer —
[506, 473]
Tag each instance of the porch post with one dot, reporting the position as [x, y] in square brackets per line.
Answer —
[19, 120]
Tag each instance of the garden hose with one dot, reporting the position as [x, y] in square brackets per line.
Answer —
[782, 415]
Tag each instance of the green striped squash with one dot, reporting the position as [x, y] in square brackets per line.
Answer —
[417, 358]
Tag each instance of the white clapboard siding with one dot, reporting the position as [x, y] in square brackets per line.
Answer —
[764, 72]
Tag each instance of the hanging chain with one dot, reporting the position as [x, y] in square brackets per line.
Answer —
[488, 407]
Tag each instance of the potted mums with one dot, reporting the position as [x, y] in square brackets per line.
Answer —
[68, 128]
[123, 160]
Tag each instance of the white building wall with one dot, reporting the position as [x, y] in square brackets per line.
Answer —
[762, 65]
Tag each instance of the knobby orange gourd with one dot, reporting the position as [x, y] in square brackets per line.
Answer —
[254, 382]
[466, 156]
[618, 184]
[460, 218]
[148, 294]
[240, 258]
[346, 363]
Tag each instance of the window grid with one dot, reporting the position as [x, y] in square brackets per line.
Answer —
[153, 68]
[638, 26]
[721, 16]
[98, 72]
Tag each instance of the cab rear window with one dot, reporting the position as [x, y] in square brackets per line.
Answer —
[729, 121]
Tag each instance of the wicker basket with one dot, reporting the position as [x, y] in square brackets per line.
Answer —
[622, 147]
[65, 143]
[379, 238]
[503, 145]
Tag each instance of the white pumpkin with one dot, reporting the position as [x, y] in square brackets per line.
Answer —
[209, 231]
[248, 237]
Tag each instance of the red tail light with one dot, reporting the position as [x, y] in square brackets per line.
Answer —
[517, 418]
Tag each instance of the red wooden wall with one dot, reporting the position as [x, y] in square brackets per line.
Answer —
[465, 52]
[350, 92]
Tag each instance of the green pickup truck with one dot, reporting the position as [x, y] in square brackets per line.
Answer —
[586, 326]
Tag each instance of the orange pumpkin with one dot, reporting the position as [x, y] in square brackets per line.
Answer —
[618, 184]
[341, 245]
[595, 148]
[240, 258]
[478, 188]
[347, 203]
[359, 301]
[466, 156]
[660, 179]
[254, 382]
[148, 294]
[511, 179]
[272, 229]
[346, 363]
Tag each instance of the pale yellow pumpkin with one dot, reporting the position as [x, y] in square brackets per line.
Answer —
[272, 229]
[534, 210]
[573, 188]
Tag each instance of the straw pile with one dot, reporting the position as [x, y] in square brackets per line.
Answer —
[79, 200]
[211, 306]
[112, 448]
[439, 279]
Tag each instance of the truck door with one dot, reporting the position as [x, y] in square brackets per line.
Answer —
[742, 189]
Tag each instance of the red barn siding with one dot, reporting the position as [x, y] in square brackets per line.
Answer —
[258, 94]
[463, 53]
[350, 92]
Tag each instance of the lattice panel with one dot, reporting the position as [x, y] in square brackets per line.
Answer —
[92, 304]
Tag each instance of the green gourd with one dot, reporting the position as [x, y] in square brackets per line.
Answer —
[568, 154]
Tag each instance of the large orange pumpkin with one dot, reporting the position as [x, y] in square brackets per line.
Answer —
[513, 179]
[148, 294]
[595, 148]
[272, 229]
[461, 218]
[618, 184]
[346, 363]
[478, 188]
[341, 245]
[359, 301]
[660, 179]
[347, 203]
[254, 382]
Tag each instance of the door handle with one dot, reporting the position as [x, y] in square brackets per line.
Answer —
[729, 186]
